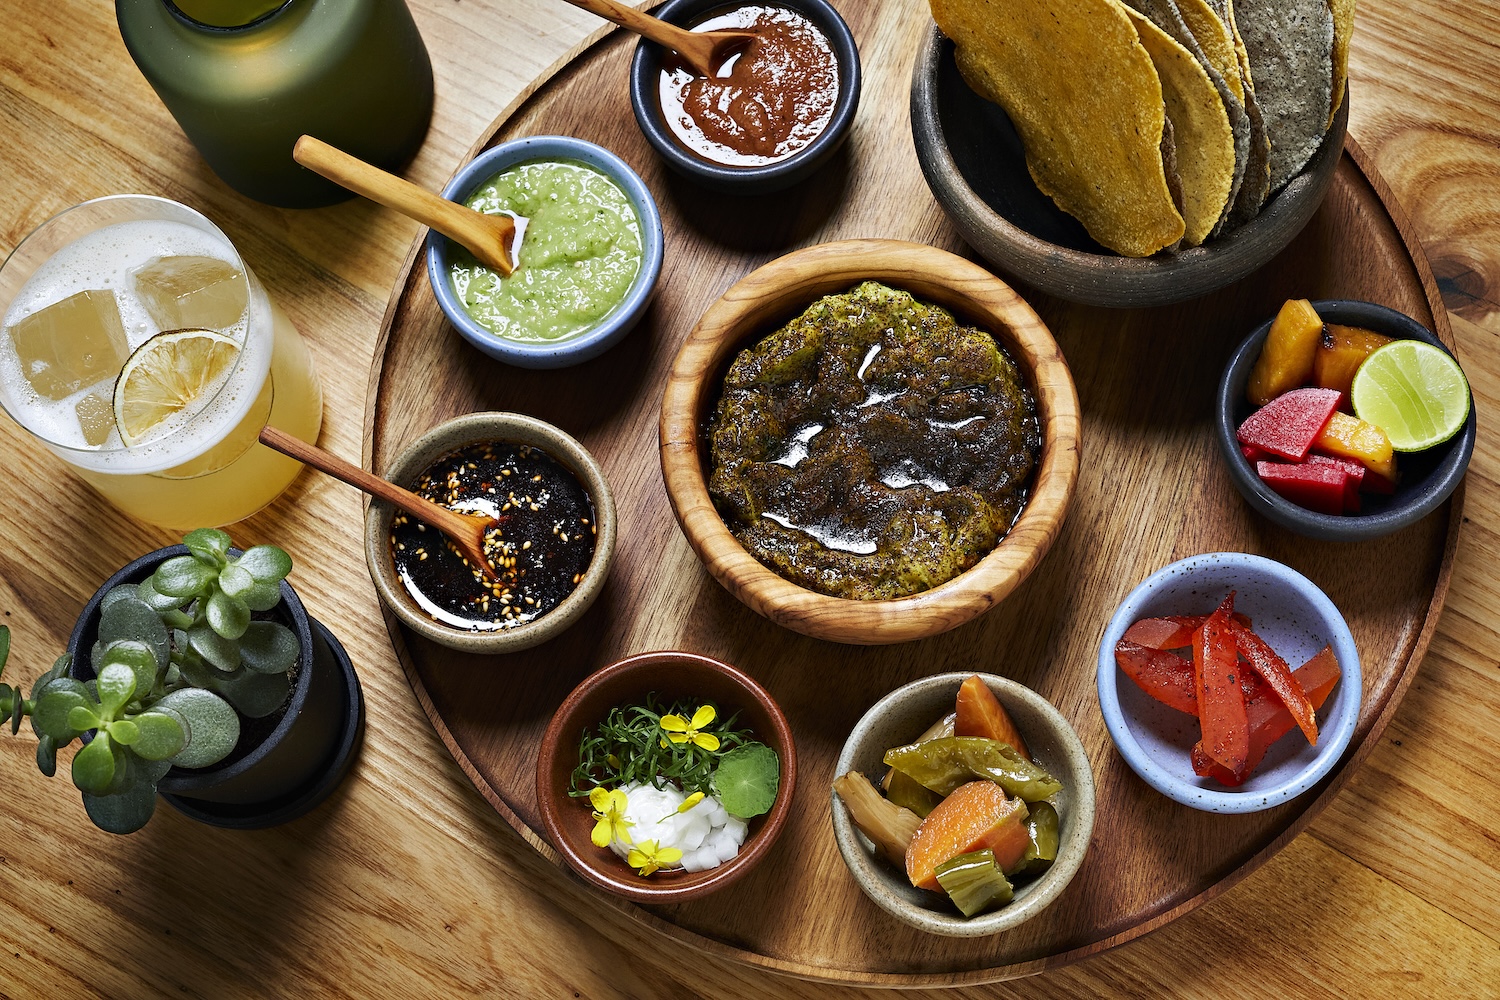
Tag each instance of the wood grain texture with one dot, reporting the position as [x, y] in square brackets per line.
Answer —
[407, 883]
[774, 294]
[1151, 490]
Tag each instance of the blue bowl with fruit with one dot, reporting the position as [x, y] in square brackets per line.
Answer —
[1344, 420]
[589, 253]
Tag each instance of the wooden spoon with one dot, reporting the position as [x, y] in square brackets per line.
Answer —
[704, 51]
[466, 531]
[494, 240]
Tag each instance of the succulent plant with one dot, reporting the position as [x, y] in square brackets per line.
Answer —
[178, 660]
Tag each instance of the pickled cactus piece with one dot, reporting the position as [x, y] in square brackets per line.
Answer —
[902, 789]
[96, 416]
[888, 826]
[200, 293]
[974, 882]
[944, 764]
[70, 344]
[1042, 825]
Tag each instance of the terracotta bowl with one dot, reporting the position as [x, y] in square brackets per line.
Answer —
[1427, 478]
[569, 821]
[777, 292]
[1294, 617]
[901, 717]
[473, 428]
[976, 166]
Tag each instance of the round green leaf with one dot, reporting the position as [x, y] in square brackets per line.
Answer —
[126, 812]
[120, 593]
[116, 685]
[82, 718]
[746, 780]
[183, 577]
[55, 703]
[263, 596]
[266, 563]
[255, 695]
[235, 581]
[135, 655]
[160, 736]
[137, 621]
[228, 616]
[4, 645]
[160, 603]
[269, 648]
[46, 755]
[94, 766]
[123, 732]
[220, 652]
[208, 544]
[212, 727]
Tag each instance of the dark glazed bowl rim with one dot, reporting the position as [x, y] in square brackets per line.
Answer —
[646, 62]
[1107, 279]
[1420, 498]
[587, 704]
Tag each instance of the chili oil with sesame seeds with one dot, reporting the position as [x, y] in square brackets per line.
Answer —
[541, 548]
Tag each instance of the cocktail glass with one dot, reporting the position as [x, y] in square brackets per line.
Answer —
[84, 292]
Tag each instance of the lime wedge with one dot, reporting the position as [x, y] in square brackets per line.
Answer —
[1414, 392]
[167, 375]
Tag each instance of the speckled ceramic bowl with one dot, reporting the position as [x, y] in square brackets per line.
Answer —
[1426, 478]
[609, 330]
[901, 717]
[514, 428]
[1292, 615]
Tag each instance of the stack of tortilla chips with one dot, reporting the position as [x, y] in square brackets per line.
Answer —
[1159, 124]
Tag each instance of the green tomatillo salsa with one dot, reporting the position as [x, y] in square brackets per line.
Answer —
[580, 252]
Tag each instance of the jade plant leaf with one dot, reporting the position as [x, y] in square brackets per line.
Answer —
[235, 581]
[4, 645]
[54, 703]
[160, 736]
[228, 616]
[159, 602]
[134, 619]
[266, 563]
[116, 685]
[123, 731]
[255, 695]
[46, 755]
[263, 596]
[126, 812]
[120, 593]
[183, 577]
[221, 653]
[94, 766]
[212, 727]
[269, 648]
[208, 544]
[138, 657]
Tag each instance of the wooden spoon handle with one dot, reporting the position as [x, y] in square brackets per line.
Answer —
[654, 28]
[434, 514]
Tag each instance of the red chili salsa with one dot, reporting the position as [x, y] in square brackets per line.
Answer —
[769, 101]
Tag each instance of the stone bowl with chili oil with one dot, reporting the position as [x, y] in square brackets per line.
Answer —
[449, 580]
[1294, 617]
[1424, 479]
[569, 821]
[778, 292]
[975, 164]
[899, 719]
[801, 118]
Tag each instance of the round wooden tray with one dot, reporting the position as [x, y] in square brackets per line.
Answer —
[1151, 489]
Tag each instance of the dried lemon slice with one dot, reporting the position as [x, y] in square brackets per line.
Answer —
[167, 375]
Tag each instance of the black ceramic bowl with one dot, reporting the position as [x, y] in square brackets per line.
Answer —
[1426, 478]
[645, 72]
[976, 167]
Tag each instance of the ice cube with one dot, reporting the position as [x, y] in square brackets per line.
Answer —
[96, 415]
[71, 344]
[192, 293]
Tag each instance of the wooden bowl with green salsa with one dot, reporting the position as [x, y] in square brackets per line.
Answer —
[846, 552]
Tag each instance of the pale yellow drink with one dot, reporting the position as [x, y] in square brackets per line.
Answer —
[202, 465]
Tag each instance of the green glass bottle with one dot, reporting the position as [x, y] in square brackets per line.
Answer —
[245, 78]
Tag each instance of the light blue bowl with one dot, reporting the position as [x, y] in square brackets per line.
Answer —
[601, 337]
[1294, 617]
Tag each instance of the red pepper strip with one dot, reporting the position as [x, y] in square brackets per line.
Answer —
[1279, 676]
[1221, 703]
[1269, 720]
[1165, 676]
[1172, 631]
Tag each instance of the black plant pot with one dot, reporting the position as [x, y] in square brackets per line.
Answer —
[305, 756]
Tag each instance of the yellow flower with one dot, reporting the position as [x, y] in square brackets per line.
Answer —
[690, 801]
[646, 857]
[680, 730]
[609, 810]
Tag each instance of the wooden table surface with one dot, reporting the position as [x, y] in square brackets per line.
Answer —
[406, 883]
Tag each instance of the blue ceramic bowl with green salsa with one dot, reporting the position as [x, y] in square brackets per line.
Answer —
[590, 254]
